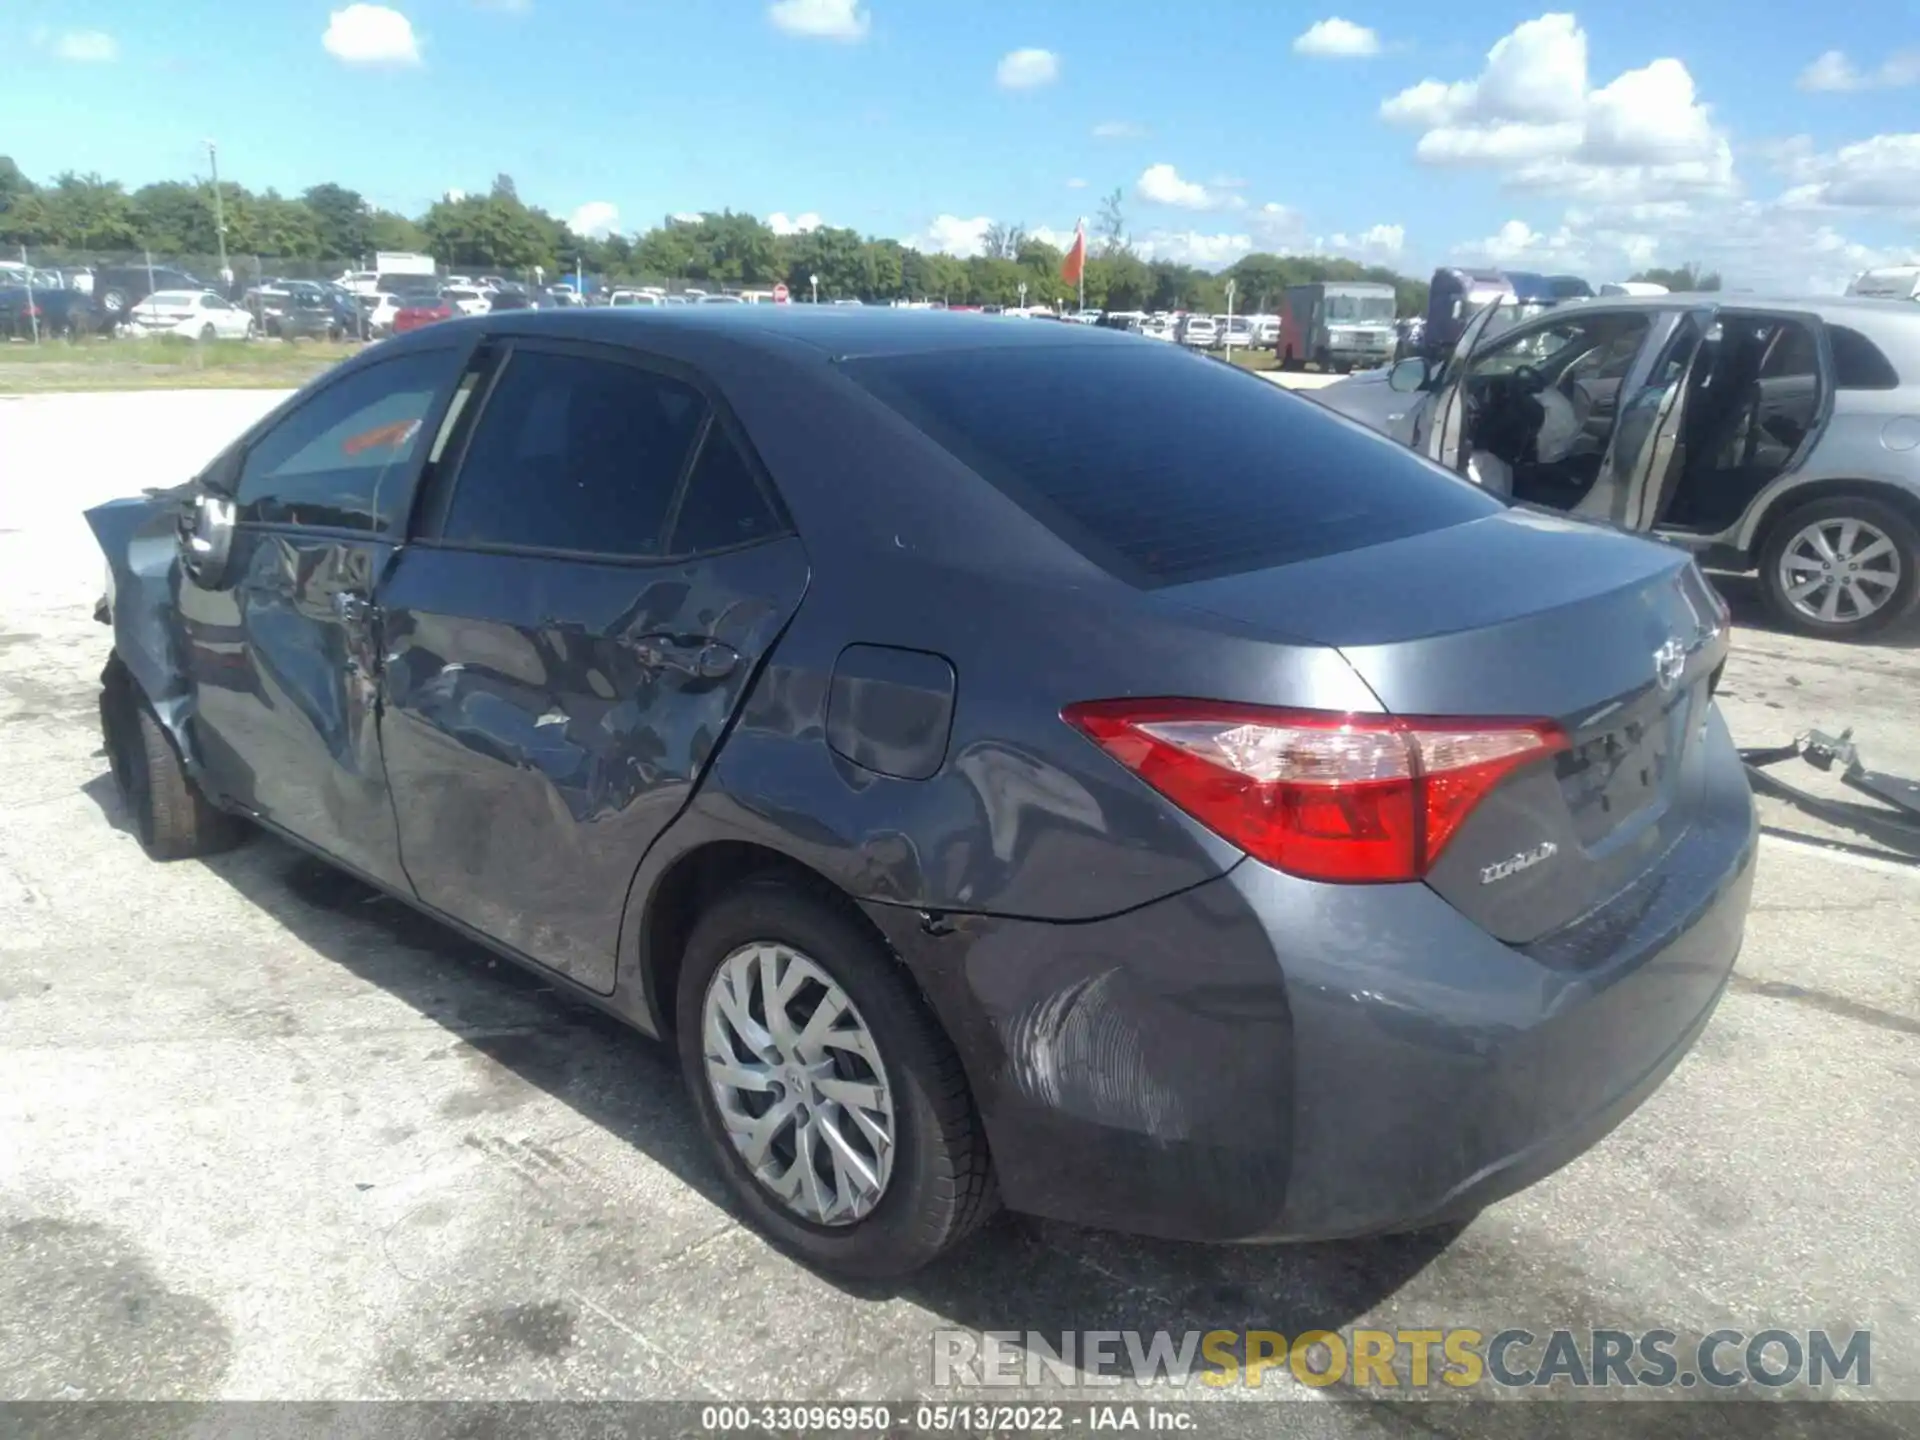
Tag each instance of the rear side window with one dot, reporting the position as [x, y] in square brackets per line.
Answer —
[1164, 467]
[574, 453]
[336, 461]
[1858, 363]
[724, 505]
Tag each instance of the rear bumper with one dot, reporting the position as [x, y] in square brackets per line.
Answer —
[1266, 1058]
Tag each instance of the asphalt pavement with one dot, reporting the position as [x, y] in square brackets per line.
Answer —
[266, 1135]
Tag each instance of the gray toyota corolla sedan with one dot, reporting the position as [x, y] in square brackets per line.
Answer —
[1012, 763]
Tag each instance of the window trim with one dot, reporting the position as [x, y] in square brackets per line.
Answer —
[434, 500]
[392, 534]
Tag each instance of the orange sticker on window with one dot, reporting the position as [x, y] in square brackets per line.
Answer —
[395, 433]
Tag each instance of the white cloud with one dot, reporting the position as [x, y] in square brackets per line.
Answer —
[1759, 246]
[1076, 184]
[1164, 185]
[1881, 172]
[1377, 244]
[598, 218]
[782, 224]
[1336, 37]
[87, 47]
[1191, 247]
[1118, 130]
[371, 35]
[1531, 113]
[1834, 71]
[822, 19]
[951, 235]
[1028, 69]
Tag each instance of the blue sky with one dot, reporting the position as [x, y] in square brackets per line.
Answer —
[1775, 142]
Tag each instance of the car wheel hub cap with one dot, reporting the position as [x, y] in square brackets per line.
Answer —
[799, 1083]
[1839, 570]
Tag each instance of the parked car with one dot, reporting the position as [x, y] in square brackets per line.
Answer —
[510, 300]
[192, 314]
[421, 310]
[466, 299]
[316, 317]
[1752, 432]
[1198, 332]
[49, 314]
[1234, 331]
[117, 288]
[778, 680]
[1266, 331]
[271, 302]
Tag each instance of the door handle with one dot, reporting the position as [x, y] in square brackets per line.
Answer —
[699, 659]
[351, 607]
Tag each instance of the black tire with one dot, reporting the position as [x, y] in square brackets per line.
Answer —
[941, 1187]
[1287, 362]
[207, 332]
[1883, 517]
[114, 301]
[172, 819]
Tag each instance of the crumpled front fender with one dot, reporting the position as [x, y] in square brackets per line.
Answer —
[139, 536]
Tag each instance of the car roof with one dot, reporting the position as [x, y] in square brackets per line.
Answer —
[1835, 306]
[829, 331]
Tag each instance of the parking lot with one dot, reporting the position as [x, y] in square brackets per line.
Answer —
[264, 1134]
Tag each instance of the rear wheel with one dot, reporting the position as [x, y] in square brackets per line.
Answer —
[207, 332]
[834, 1104]
[1842, 568]
[171, 817]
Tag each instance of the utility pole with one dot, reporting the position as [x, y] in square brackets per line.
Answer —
[219, 216]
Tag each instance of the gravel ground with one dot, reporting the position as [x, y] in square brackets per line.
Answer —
[264, 1135]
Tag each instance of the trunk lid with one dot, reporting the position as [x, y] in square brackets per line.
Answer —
[1617, 639]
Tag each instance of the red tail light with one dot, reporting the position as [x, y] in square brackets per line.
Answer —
[1352, 798]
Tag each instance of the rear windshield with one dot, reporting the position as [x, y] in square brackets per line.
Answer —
[1164, 467]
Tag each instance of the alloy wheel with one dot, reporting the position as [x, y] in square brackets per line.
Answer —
[799, 1083]
[1839, 571]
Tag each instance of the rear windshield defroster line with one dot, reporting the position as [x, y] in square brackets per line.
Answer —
[1163, 467]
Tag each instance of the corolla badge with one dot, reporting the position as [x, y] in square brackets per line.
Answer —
[1525, 860]
[1669, 664]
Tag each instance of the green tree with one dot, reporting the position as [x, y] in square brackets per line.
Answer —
[13, 184]
[85, 212]
[1002, 242]
[1111, 227]
[388, 230]
[835, 255]
[664, 252]
[491, 231]
[885, 269]
[342, 221]
[175, 218]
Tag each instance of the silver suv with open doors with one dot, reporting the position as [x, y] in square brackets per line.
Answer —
[1777, 436]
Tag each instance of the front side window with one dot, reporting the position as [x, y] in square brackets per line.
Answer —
[335, 461]
[574, 453]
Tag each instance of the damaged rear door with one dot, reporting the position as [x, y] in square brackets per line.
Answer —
[282, 643]
[593, 582]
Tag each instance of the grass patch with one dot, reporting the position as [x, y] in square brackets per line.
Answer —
[1254, 359]
[164, 363]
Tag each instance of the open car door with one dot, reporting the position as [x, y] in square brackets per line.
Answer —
[1647, 453]
[1445, 419]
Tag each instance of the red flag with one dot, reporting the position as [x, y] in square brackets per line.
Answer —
[1075, 262]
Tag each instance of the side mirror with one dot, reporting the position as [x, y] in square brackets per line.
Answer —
[1408, 375]
[206, 538]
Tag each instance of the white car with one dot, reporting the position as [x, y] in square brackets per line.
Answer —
[635, 297]
[1199, 332]
[1266, 330]
[380, 317]
[466, 299]
[198, 315]
[1234, 330]
[359, 282]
